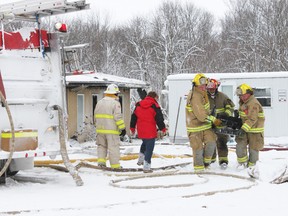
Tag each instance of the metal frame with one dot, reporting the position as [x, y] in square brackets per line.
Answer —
[41, 8]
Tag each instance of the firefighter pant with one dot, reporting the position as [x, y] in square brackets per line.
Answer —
[108, 144]
[203, 144]
[254, 142]
[222, 149]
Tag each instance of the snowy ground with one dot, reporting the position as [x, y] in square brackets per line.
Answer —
[55, 192]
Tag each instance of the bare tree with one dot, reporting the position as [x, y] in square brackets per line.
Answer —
[253, 36]
[177, 32]
[181, 39]
[139, 49]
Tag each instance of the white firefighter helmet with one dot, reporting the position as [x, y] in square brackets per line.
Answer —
[112, 89]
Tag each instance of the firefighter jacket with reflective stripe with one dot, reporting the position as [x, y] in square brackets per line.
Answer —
[108, 116]
[221, 103]
[198, 116]
[146, 116]
[252, 115]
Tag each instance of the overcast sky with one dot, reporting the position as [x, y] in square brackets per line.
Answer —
[120, 11]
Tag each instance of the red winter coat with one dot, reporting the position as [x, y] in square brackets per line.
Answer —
[146, 117]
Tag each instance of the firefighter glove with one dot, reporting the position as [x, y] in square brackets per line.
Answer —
[217, 122]
[123, 133]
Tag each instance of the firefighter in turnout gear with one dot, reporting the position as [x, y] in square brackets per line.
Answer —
[199, 124]
[251, 134]
[220, 105]
[109, 125]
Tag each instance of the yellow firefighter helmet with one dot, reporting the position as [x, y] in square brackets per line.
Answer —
[200, 79]
[244, 89]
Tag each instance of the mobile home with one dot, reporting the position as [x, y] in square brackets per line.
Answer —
[270, 88]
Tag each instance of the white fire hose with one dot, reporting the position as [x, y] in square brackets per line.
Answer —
[63, 149]
[12, 141]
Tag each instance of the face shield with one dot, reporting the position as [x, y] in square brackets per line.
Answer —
[238, 92]
[211, 88]
[203, 81]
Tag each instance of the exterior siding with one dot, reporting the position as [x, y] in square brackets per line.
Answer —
[88, 108]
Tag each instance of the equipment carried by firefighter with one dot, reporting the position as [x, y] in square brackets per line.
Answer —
[232, 124]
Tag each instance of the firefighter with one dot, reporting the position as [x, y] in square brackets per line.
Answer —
[109, 125]
[251, 134]
[147, 116]
[220, 106]
[199, 124]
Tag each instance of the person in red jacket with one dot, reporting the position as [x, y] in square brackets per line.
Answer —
[146, 117]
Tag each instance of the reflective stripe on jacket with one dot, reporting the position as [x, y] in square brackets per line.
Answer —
[197, 111]
[252, 115]
[108, 116]
[221, 103]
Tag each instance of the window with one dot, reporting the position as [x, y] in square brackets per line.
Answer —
[80, 112]
[94, 102]
[121, 101]
[263, 95]
[228, 90]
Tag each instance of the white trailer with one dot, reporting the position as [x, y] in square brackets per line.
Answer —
[33, 81]
[270, 88]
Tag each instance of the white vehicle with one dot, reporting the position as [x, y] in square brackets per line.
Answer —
[33, 82]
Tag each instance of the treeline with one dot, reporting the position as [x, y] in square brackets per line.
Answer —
[184, 39]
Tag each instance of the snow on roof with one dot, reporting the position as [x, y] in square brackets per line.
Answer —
[100, 79]
[247, 75]
[78, 46]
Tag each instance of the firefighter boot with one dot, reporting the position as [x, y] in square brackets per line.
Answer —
[147, 167]
[223, 165]
[241, 166]
[140, 159]
[253, 171]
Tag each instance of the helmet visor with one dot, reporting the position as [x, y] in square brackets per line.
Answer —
[211, 85]
[203, 81]
[239, 92]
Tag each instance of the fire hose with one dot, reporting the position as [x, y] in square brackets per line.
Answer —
[83, 163]
[63, 150]
[114, 183]
[12, 143]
